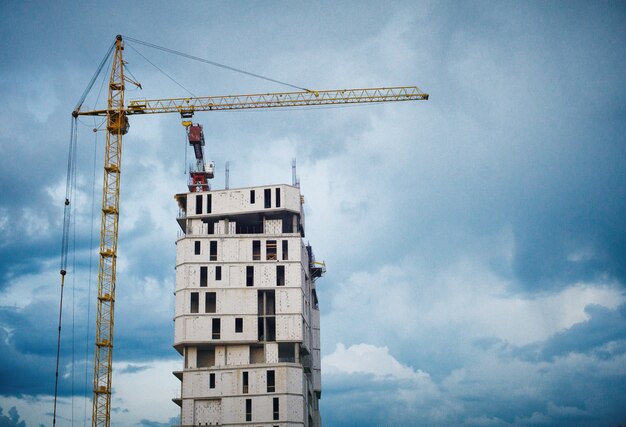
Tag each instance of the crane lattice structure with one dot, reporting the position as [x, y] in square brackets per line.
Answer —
[117, 125]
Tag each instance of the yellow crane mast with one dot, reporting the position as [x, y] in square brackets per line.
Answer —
[117, 125]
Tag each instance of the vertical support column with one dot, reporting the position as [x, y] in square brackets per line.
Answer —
[117, 125]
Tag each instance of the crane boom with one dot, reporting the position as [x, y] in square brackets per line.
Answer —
[117, 125]
[269, 100]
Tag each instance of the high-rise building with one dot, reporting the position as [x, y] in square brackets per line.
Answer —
[247, 319]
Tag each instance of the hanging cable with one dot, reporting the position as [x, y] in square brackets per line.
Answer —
[73, 217]
[93, 212]
[93, 78]
[163, 72]
[215, 64]
[70, 180]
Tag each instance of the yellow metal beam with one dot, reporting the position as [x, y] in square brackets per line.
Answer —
[117, 125]
[269, 100]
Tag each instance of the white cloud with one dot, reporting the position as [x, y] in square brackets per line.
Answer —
[135, 393]
[142, 394]
[410, 301]
[368, 359]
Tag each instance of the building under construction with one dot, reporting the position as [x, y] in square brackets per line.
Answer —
[247, 321]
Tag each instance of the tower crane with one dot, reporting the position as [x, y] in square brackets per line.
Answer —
[117, 125]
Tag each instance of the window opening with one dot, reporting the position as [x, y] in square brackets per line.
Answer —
[285, 250]
[218, 272]
[198, 204]
[238, 324]
[210, 302]
[213, 250]
[257, 354]
[268, 198]
[196, 247]
[205, 357]
[194, 302]
[215, 329]
[208, 203]
[266, 302]
[286, 352]
[267, 315]
[271, 377]
[252, 197]
[244, 381]
[256, 250]
[250, 275]
[278, 197]
[211, 380]
[203, 276]
[270, 248]
[288, 223]
[276, 408]
[248, 409]
[280, 275]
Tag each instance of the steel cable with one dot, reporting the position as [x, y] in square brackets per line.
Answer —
[215, 64]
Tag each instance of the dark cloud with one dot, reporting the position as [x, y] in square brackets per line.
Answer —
[522, 137]
[12, 420]
[132, 369]
[603, 336]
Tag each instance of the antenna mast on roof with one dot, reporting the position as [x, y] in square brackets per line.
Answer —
[294, 178]
[227, 175]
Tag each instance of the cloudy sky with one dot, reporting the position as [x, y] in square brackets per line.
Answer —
[475, 243]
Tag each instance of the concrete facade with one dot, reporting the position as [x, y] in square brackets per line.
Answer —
[247, 321]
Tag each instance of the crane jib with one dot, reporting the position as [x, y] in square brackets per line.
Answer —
[269, 100]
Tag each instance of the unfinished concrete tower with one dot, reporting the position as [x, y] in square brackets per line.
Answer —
[247, 318]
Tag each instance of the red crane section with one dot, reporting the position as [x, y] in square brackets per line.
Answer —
[199, 174]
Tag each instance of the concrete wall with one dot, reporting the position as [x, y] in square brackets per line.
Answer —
[214, 392]
[237, 201]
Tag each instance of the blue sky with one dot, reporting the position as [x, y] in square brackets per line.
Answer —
[475, 243]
